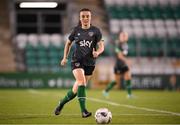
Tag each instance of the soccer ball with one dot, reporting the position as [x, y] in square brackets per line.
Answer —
[103, 116]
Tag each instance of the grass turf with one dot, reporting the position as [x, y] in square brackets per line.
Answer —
[36, 106]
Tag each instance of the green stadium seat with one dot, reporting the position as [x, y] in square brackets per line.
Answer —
[157, 13]
[156, 46]
[54, 61]
[31, 64]
[30, 58]
[30, 51]
[173, 47]
[144, 47]
[146, 12]
[132, 46]
[134, 12]
[43, 61]
[176, 11]
[54, 51]
[167, 12]
[41, 51]
[123, 12]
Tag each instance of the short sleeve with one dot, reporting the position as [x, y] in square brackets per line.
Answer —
[71, 36]
[98, 35]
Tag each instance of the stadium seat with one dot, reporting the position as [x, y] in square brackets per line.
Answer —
[134, 12]
[128, 30]
[21, 40]
[132, 46]
[115, 25]
[30, 51]
[146, 12]
[172, 31]
[44, 40]
[173, 46]
[43, 63]
[176, 11]
[149, 31]
[164, 2]
[141, 2]
[56, 40]
[152, 2]
[33, 39]
[138, 31]
[161, 31]
[144, 46]
[156, 46]
[41, 51]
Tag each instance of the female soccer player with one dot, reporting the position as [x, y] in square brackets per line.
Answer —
[121, 68]
[85, 38]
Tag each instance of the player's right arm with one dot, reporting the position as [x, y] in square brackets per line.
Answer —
[67, 49]
[121, 56]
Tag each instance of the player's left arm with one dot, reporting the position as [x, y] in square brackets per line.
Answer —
[99, 50]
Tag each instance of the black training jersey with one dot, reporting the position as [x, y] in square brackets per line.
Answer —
[84, 41]
[121, 47]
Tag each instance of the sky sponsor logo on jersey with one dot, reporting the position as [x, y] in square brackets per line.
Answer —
[85, 43]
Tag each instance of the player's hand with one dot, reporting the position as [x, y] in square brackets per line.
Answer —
[95, 53]
[63, 62]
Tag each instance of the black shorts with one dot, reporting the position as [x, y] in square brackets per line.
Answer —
[121, 70]
[120, 67]
[88, 70]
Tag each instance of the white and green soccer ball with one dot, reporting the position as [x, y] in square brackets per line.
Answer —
[103, 116]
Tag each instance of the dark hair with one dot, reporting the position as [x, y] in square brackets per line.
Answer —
[84, 9]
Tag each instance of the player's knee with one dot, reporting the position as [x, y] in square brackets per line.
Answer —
[127, 75]
[81, 82]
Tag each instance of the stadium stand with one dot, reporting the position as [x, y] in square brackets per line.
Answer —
[153, 27]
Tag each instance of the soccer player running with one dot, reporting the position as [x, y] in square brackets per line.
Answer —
[121, 68]
[85, 38]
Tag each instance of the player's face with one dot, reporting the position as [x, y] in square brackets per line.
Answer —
[123, 37]
[85, 18]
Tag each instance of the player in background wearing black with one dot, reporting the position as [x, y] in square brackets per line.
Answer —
[121, 68]
[85, 37]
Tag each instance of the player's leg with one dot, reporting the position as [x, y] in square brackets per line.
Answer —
[127, 78]
[117, 78]
[71, 94]
[88, 70]
[81, 92]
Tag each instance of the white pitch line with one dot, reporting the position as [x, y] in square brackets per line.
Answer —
[133, 107]
[122, 105]
[33, 91]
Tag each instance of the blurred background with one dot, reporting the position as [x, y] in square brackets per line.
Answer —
[32, 42]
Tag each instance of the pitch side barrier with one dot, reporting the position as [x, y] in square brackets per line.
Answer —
[66, 80]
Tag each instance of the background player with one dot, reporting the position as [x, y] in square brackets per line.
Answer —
[121, 68]
[85, 38]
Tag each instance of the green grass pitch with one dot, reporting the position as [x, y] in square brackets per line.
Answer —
[36, 106]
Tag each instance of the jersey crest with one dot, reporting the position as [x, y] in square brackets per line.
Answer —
[91, 34]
